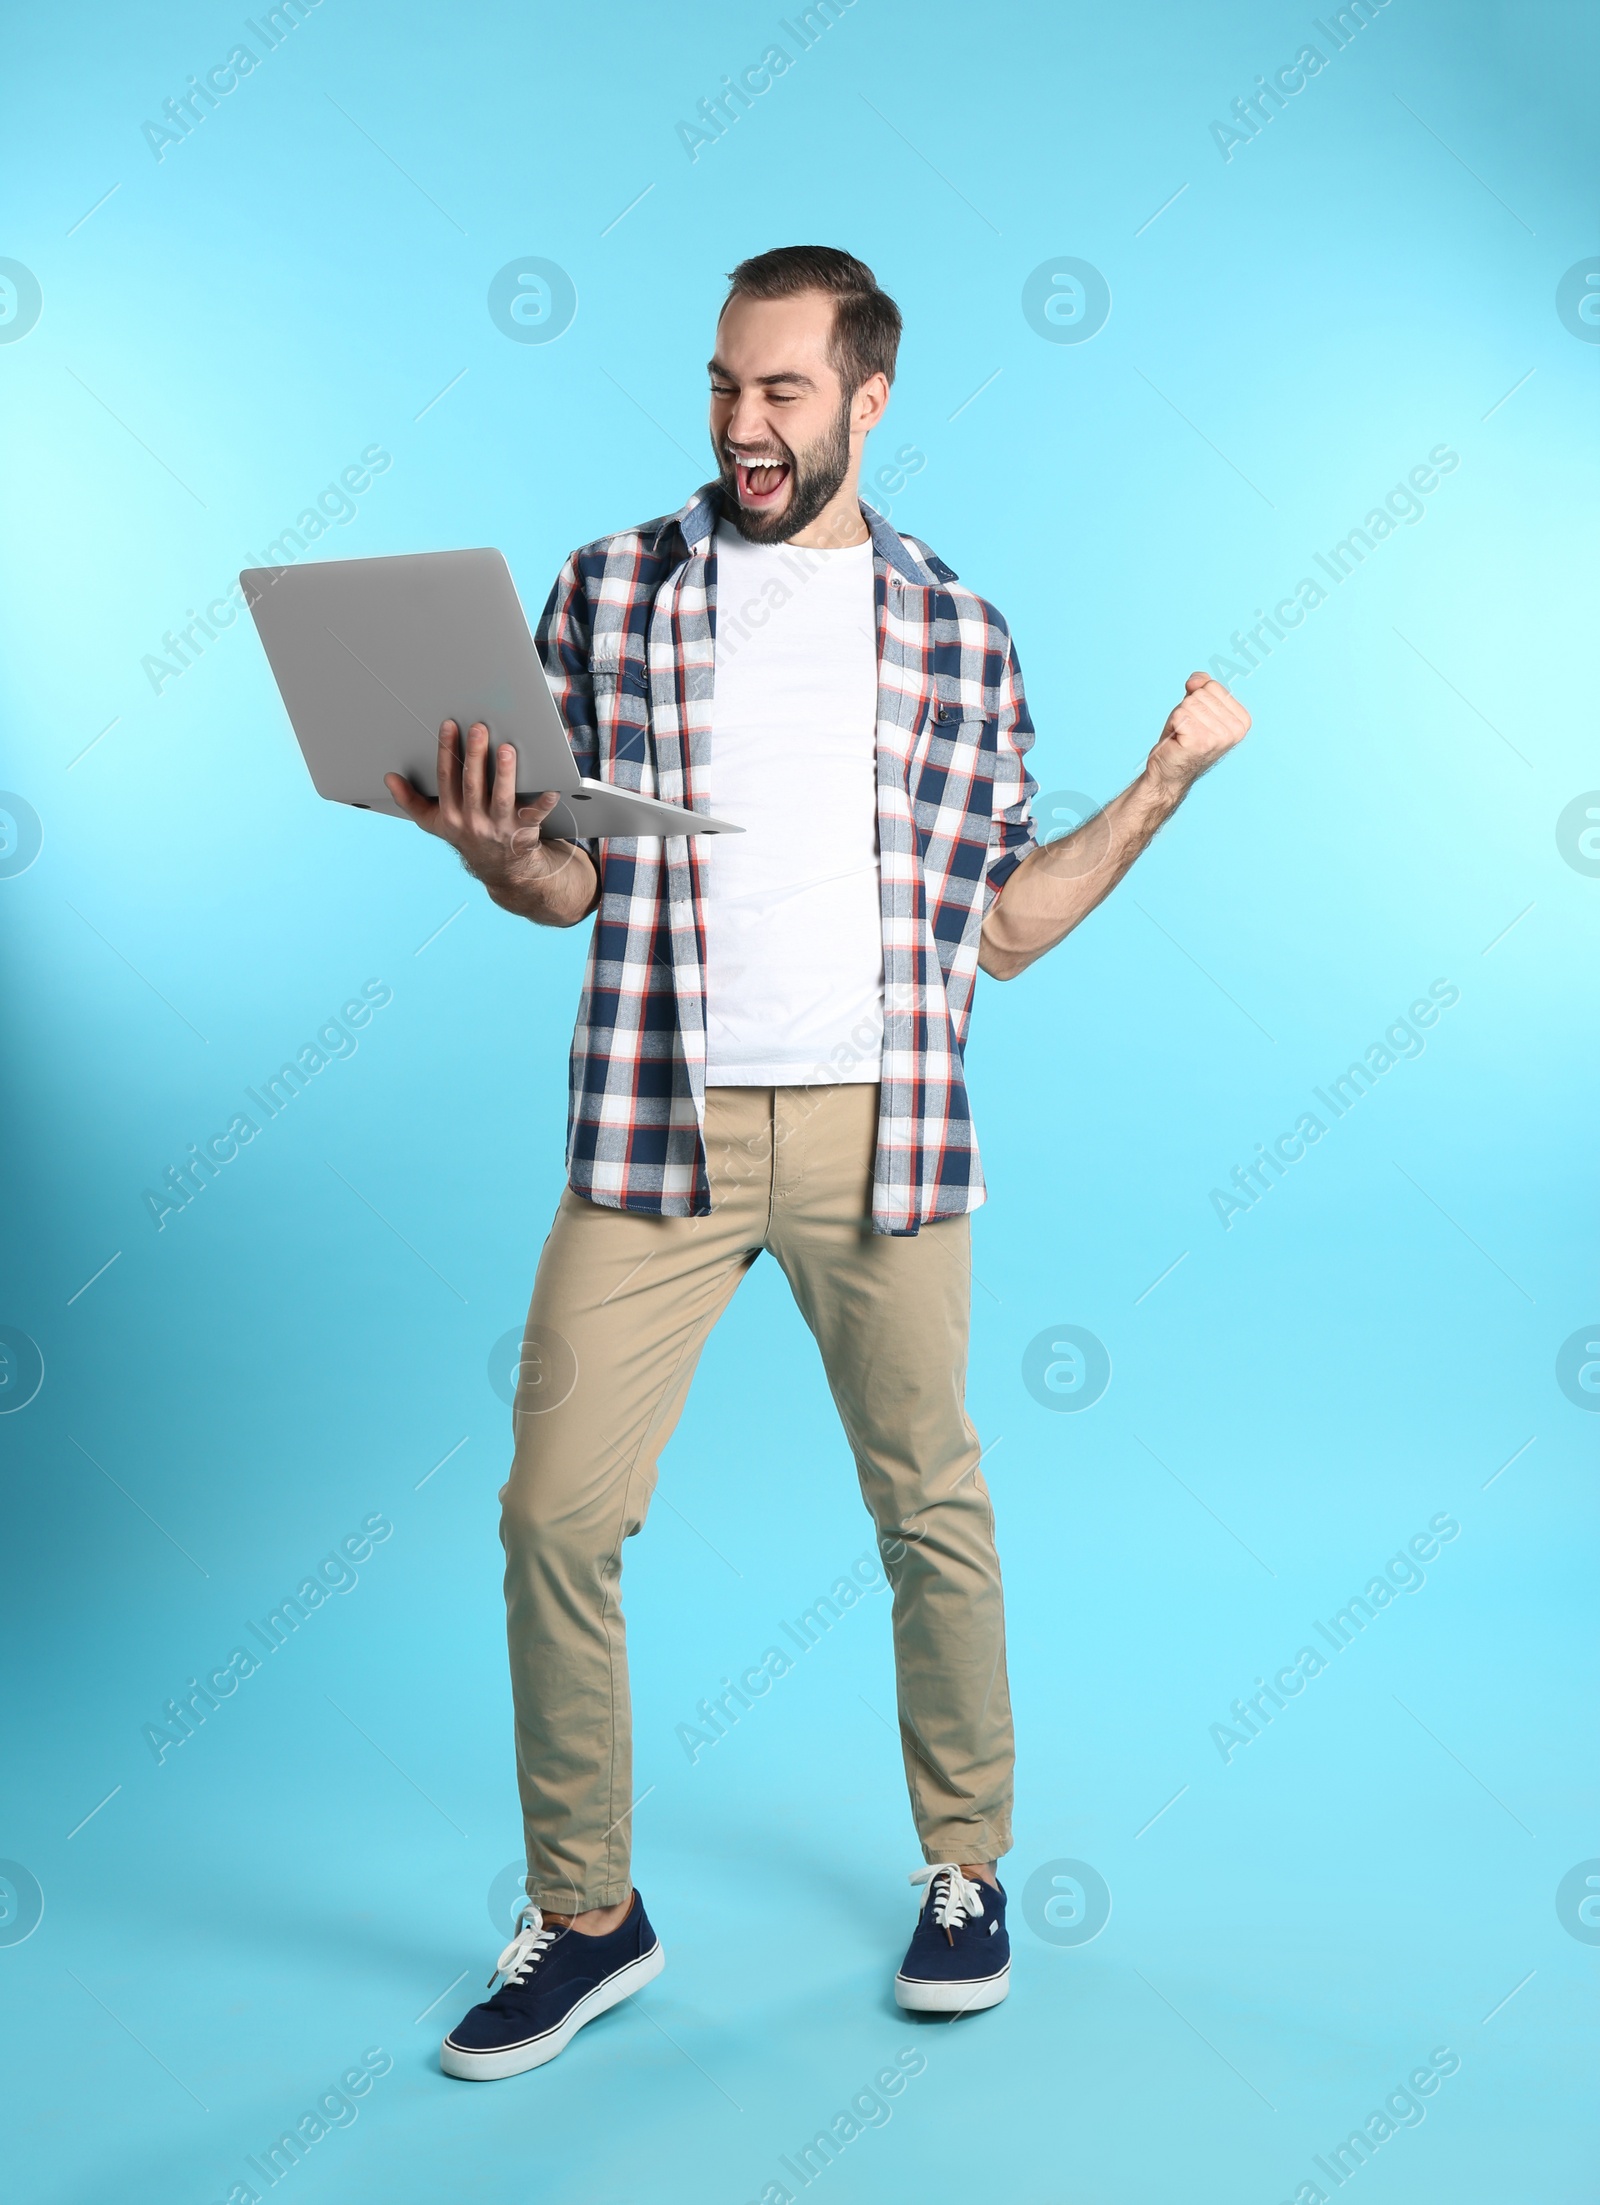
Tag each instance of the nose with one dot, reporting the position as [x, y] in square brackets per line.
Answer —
[747, 428]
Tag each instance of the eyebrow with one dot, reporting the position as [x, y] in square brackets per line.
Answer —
[784, 375]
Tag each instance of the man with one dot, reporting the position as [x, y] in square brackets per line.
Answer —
[769, 1055]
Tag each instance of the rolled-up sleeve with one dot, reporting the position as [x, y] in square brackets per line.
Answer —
[1011, 830]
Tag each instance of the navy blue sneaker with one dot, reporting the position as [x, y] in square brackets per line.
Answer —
[959, 1958]
[551, 1982]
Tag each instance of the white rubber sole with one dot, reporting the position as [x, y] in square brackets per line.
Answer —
[517, 2059]
[951, 1998]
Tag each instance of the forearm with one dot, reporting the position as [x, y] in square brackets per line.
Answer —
[1057, 885]
[563, 896]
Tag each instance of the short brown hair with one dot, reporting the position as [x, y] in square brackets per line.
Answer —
[866, 321]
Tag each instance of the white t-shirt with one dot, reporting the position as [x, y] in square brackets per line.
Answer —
[794, 939]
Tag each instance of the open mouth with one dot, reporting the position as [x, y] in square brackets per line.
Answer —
[762, 483]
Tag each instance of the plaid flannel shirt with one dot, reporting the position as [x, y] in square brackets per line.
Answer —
[628, 643]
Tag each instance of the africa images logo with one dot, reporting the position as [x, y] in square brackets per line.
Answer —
[1066, 1368]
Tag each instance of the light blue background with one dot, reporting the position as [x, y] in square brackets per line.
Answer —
[1375, 1874]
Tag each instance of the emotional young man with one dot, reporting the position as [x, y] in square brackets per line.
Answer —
[769, 1056]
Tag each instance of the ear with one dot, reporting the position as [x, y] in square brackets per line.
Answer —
[869, 405]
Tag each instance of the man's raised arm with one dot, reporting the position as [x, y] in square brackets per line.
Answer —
[1059, 883]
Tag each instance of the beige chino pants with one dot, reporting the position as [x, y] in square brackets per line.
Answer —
[622, 1306]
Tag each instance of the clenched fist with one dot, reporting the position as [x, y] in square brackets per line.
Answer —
[1208, 722]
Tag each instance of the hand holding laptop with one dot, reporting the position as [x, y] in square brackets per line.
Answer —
[499, 841]
[372, 655]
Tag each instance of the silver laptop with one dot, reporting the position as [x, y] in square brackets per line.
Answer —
[370, 655]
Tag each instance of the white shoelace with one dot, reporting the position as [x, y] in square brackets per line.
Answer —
[529, 1946]
[957, 1899]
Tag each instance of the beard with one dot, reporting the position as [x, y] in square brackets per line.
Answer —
[814, 476]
